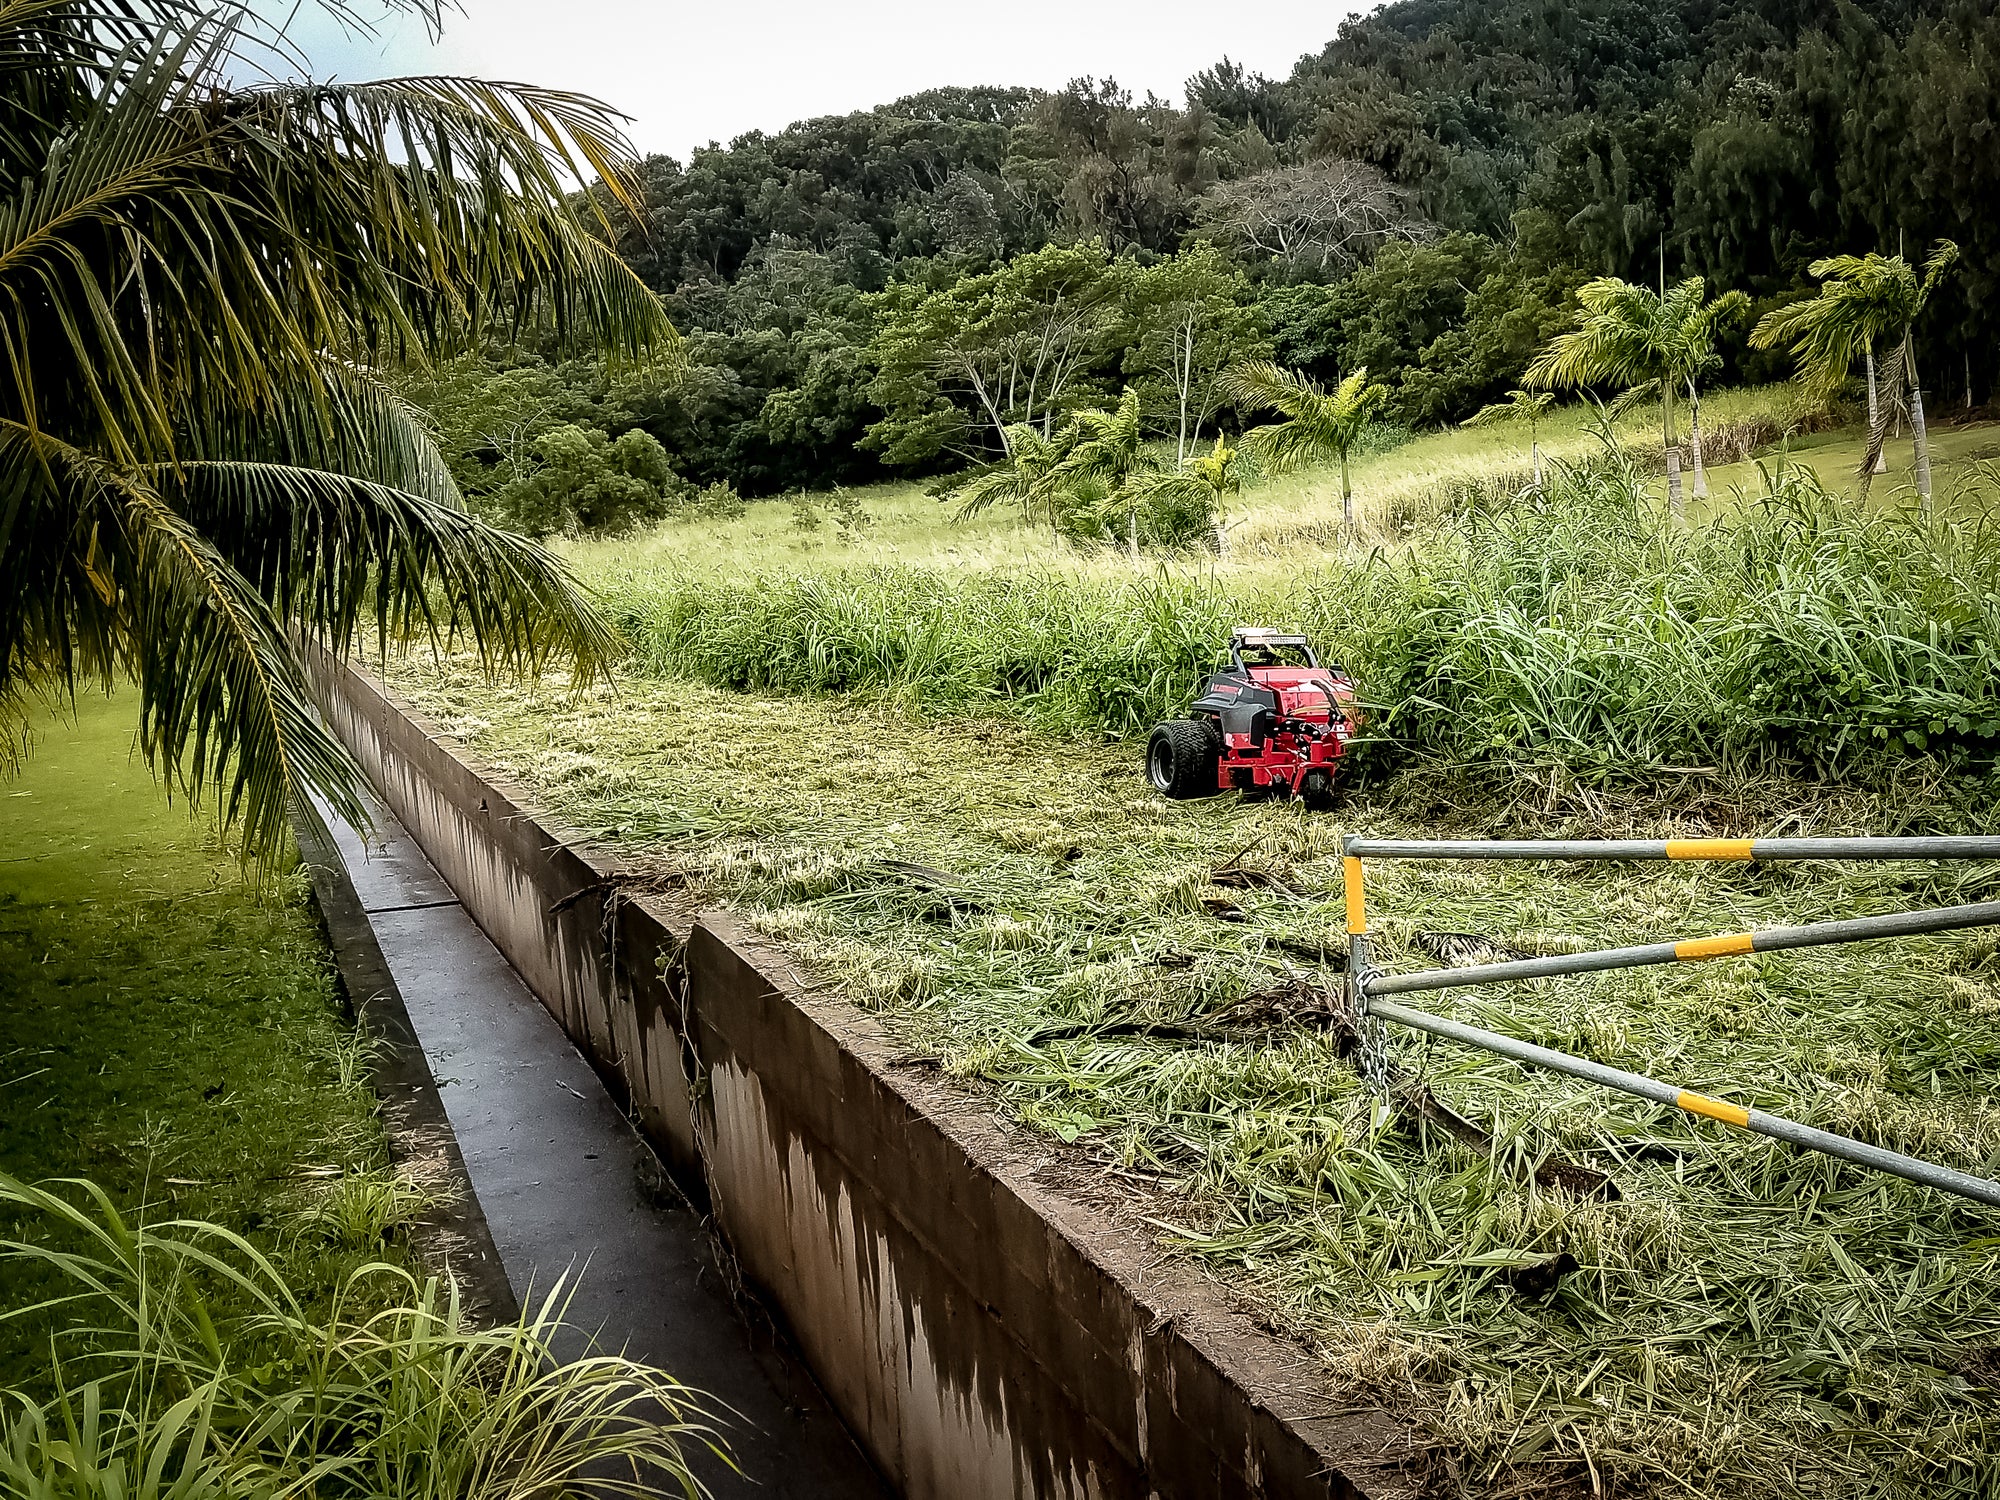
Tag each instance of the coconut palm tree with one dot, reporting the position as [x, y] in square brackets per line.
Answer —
[1650, 343]
[1530, 406]
[1319, 426]
[203, 477]
[1864, 299]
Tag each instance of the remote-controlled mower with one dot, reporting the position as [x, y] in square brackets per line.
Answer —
[1276, 721]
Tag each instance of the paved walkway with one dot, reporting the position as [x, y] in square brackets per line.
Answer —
[567, 1185]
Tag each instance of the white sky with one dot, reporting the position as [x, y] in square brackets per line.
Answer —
[689, 74]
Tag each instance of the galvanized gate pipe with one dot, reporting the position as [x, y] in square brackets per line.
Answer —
[1942, 847]
[1368, 988]
[1776, 1126]
[1812, 935]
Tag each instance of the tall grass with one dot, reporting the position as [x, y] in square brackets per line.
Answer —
[1569, 626]
[393, 1395]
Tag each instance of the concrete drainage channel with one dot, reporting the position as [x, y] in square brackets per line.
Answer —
[980, 1330]
[555, 1180]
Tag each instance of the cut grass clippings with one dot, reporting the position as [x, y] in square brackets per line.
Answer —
[168, 1027]
[1745, 1321]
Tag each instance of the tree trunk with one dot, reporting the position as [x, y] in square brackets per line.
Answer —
[1132, 533]
[1875, 408]
[1918, 434]
[1535, 453]
[1676, 505]
[1694, 437]
[1346, 494]
[1184, 378]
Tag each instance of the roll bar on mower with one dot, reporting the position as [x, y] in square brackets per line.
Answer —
[1259, 638]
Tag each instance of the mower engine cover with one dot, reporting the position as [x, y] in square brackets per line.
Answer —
[1276, 720]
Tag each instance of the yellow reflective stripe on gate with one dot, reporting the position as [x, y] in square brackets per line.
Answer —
[1714, 1109]
[1357, 901]
[1710, 849]
[1715, 947]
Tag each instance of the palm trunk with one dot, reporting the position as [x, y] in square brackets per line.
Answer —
[1919, 436]
[1535, 453]
[1184, 378]
[1676, 505]
[1694, 437]
[1346, 494]
[1875, 408]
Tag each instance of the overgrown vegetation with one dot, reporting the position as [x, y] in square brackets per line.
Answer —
[389, 1391]
[1561, 626]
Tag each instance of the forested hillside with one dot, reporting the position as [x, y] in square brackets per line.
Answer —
[1419, 197]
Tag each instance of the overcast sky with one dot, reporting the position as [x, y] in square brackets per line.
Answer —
[691, 74]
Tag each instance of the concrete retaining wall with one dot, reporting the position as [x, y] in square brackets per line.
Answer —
[984, 1333]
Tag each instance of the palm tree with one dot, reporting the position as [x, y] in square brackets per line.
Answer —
[1863, 299]
[1203, 483]
[1025, 477]
[1694, 326]
[202, 475]
[1106, 450]
[1648, 342]
[1320, 425]
[1529, 405]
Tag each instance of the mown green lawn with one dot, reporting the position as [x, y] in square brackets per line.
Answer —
[168, 1028]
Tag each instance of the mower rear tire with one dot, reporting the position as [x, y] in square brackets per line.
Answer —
[1182, 758]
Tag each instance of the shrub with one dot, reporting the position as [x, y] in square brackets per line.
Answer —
[584, 481]
[718, 502]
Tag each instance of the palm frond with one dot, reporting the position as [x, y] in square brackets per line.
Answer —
[1324, 424]
[199, 468]
[1261, 384]
[225, 707]
[331, 550]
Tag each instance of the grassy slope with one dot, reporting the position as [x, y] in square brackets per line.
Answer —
[1738, 1304]
[166, 1028]
[1746, 1322]
[1276, 523]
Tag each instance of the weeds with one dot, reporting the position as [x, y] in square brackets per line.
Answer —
[362, 1210]
[1568, 628]
[153, 1399]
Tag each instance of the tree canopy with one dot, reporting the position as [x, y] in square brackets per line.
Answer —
[1421, 196]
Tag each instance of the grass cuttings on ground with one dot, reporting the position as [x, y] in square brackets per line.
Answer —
[1744, 1321]
[168, 1028]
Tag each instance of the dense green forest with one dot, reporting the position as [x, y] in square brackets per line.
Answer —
[885, 292]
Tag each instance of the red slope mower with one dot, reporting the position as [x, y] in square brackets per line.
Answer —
[1275, 721]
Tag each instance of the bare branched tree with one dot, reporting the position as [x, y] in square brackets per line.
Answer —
[1315, 218]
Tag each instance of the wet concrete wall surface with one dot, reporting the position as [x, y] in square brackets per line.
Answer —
[563, 1190]
[983, 1329]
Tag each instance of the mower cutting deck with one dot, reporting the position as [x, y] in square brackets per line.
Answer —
[1276, 721]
